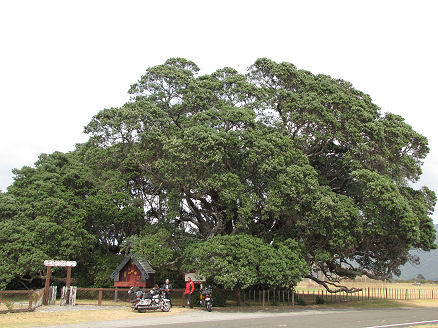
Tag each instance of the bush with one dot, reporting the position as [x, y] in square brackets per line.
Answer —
[274, 303]
[219, 297]
[299, 300]
[320, 300]
[196, 299]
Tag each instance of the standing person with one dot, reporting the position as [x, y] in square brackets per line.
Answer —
[167, 287]
[190, 288]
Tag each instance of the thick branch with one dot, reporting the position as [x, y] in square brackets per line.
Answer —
[338, 289]
[344, 271]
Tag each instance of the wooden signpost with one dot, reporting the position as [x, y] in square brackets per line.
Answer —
[56, 263]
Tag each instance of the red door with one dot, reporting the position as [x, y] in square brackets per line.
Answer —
[132, 274]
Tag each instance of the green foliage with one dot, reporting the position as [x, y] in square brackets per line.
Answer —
[275, 302]
[54, 211]
[299, 300]
[253, 178]
[41, 219]
[241, 261]
[196, 298]
[320, 300]
[219, 297]
[154, 247]
[101, 266]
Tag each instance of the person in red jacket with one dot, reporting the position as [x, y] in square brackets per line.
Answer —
[190, 288]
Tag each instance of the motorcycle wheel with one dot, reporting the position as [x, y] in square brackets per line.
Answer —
[208, 306]
[141, 310]
[165, 307]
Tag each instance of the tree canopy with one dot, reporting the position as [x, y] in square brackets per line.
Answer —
[298, 167]
[242, 261]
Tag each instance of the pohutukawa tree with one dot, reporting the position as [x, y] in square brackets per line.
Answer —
[280, 154]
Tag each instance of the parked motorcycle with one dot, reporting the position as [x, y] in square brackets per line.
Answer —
[153, 300]
[206, 298]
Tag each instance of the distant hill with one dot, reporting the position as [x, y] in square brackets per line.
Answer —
[428, 264]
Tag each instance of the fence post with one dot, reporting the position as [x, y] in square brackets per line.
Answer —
[46, 286]
[263, 298]
[183, 300]
[30, 299]
[100, 297]
[293, 298]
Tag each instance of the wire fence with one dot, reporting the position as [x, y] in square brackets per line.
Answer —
[318, 296]
[117, 296]
[263, 297]
[20, 300]
[23, 301]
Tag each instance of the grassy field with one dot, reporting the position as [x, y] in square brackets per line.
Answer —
[402, 285]
[38, 318]
[14, 305]
[394, 291]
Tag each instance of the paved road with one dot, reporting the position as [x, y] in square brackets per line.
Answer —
[327, 318]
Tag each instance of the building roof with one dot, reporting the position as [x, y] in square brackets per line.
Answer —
[142, 264]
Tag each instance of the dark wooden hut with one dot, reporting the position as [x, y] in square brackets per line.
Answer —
[133, 271]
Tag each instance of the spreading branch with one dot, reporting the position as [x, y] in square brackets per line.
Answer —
[328, 285]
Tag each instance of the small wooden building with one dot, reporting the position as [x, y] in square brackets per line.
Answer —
[133, 271]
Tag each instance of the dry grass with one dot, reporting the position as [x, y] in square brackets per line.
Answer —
[420, 303]
[305, 284]
[14, 305]
[38, 318]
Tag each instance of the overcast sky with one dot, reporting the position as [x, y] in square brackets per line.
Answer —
[63, 61]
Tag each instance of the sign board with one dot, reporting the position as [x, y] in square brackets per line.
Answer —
[196, 278]
[57, 263]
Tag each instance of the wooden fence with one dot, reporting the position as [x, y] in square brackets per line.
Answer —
[109, 296]
[19, 301]
[313, 296]
[260, 297]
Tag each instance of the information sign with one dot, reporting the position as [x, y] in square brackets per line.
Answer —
[58, 263]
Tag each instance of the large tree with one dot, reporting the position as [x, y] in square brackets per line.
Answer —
[278, 153]
[57, 211]
[41, 219]
[278, 157]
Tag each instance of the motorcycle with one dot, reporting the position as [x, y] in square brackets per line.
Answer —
[153, 300]
[206, 298]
